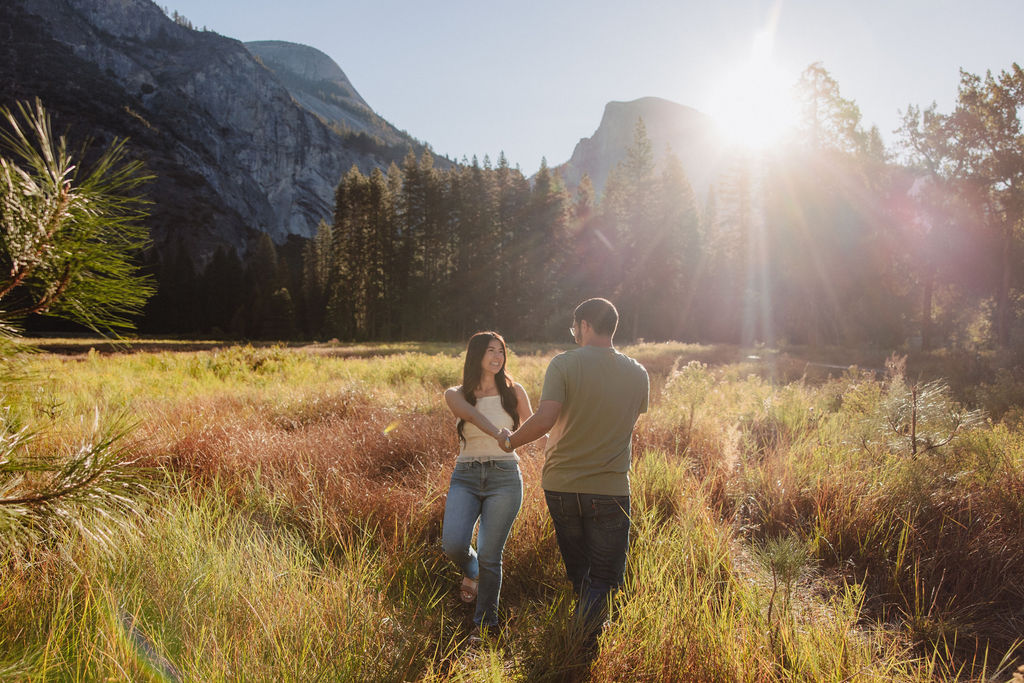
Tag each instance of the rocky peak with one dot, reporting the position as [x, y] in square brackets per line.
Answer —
[233, 151]
[319, 85]
[305, 62]
[687, 132]
[138, 20]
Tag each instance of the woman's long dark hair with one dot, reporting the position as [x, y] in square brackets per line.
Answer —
[471, 374]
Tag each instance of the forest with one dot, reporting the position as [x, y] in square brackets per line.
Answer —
[831, 239]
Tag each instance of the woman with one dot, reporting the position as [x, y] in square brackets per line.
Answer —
[486, 483]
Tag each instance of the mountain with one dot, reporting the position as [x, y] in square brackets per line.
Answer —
[319, 85]
[239, 144]
[687, 132]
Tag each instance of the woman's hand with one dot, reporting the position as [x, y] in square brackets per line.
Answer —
[503, 440]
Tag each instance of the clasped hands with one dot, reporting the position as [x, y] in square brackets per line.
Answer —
[502, 438]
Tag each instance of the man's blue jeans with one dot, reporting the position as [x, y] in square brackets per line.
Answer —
[491, 491]
[593, 535]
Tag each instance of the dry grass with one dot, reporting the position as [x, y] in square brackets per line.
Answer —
[293, 529]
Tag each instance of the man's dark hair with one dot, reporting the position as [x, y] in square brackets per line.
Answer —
[601, 315]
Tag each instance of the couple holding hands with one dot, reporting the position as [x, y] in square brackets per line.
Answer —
[589, 404]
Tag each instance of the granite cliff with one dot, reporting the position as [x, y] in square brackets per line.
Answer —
[320, 86]
[234, 149]
[687, 132]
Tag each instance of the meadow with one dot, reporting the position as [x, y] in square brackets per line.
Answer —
[799, 515]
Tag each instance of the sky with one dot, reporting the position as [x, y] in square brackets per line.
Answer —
[532, 77]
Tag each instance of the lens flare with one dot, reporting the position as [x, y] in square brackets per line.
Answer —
[753, 105]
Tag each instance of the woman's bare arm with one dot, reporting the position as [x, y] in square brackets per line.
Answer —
[462, 408]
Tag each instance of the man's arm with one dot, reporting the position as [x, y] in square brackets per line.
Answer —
[539, 424]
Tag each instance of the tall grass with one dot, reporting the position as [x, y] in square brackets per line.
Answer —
[205, 590]
[291, 528]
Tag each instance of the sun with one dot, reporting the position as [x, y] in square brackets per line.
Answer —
[753, 106]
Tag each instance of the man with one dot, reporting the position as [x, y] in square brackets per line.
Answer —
[590, 402]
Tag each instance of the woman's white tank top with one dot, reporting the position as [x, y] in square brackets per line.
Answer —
[482, 446]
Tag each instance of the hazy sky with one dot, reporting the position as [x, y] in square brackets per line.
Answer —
[531, 77]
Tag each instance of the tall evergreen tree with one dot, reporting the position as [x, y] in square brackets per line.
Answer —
[174, 309]
[479, 253]
[349, 234]
[262, 279]
[731, 254]
[319, 273]
[222, 290]
[415, 216]
[990, 139]
[828, 121]
[400, 257]
[544, 239]
[279, 318]
[630, 218]
[380, 255]
[824, 225]
[519, 241]
[932, 242]
[577, 279]
[681, 250]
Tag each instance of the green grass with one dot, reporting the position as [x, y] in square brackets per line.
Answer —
[295, 495]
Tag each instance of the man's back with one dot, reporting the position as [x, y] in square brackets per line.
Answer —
[602, 393]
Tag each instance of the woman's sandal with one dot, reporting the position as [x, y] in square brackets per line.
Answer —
[467, 589]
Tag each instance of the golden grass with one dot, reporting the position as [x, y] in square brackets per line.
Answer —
[293, 529]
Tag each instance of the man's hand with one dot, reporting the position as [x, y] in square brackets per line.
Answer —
[503, 440]
[538, 425]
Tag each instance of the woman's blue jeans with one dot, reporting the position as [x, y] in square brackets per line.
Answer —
[593, 535]
[491, 491]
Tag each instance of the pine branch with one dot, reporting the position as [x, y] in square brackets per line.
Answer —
[43, 491]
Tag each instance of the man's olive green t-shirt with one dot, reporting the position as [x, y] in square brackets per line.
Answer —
[602, 393]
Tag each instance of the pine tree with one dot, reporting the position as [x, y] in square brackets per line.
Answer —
[989, 137]
[423, 217]
[318, 277]
[279, 321]
[223, 289]
[481, 261]
[517, 239]
[680, 249]
[346, 297]
[828, 121]
[732, 250]
[399, 261]
[933, 225]
[380, 254]
[175, 308]
[412, 215]
[816, 259]
[584, 200]
[262, 279]
[631, 217]
[545, 241]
